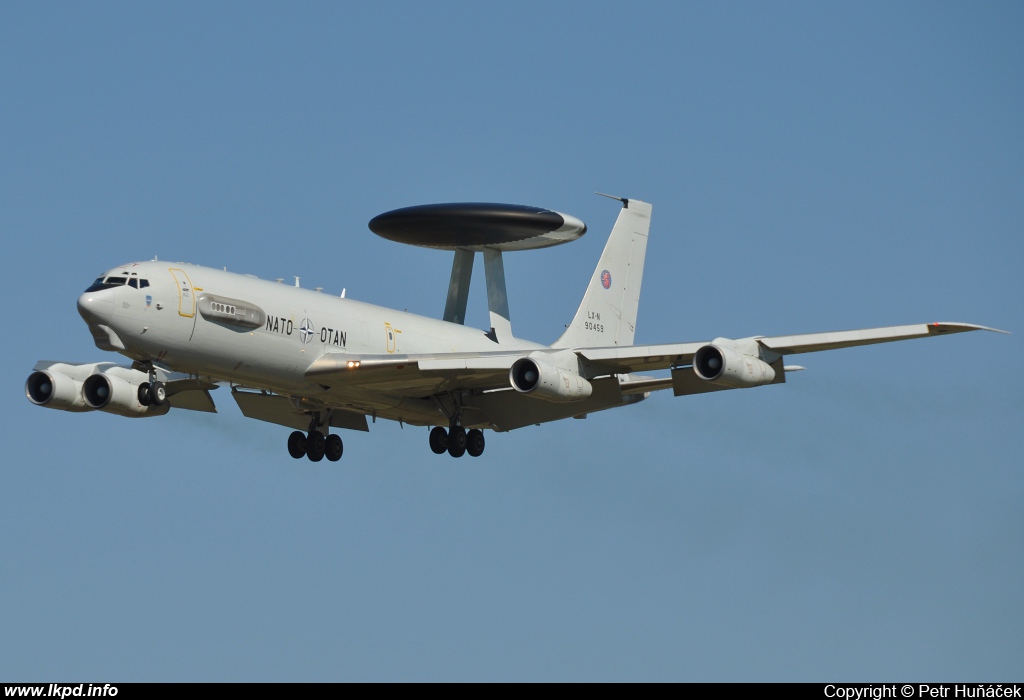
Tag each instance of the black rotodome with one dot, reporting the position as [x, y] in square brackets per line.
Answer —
[465, 224]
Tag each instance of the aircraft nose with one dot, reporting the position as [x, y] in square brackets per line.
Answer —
[95, 306]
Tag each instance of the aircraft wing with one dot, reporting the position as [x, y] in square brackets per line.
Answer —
[426, 375]
[640, 358]
[814, 342]
[413, 375]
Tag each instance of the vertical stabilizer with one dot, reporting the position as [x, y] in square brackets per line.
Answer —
[607, 314]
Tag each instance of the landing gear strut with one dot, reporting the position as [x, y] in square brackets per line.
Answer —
[315, 445]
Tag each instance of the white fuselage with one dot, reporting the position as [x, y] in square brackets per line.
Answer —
[163, 323]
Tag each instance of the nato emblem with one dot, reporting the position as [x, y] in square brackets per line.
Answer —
[306, 331]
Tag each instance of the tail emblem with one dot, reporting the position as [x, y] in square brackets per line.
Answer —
[606, 279]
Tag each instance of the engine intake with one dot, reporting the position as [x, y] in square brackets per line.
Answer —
[533, 376]
[727, 367]
[55, 390]
[106, 392]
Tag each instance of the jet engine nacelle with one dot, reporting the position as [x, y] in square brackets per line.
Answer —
[99, 386]
[530, 375]
[722, 365]
[53, 389]
[117, 391]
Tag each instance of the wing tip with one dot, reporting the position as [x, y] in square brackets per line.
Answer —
[954, 327]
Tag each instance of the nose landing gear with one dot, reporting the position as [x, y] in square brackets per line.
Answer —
[152, 392]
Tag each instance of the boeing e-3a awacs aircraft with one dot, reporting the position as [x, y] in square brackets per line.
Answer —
[310, 361]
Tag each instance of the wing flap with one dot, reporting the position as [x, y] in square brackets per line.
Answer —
[177, 386]
[640, 358]
[273, 408]
[193, 400]
[413, 375]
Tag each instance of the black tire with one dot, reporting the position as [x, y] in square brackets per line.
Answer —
[315, 446]
[334, 448]
[158, 393]
[475, 442]
[457, 442]
[297, 445]
[144, 397]
[439, 440]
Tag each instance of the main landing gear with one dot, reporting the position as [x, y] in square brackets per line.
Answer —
[315, 445]
[457, 441]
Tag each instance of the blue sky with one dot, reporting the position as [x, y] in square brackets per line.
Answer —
[812, 166]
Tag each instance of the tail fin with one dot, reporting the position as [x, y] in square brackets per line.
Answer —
[607, 314]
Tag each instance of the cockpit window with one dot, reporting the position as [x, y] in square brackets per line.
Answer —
[143, 284]
[107, 283]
